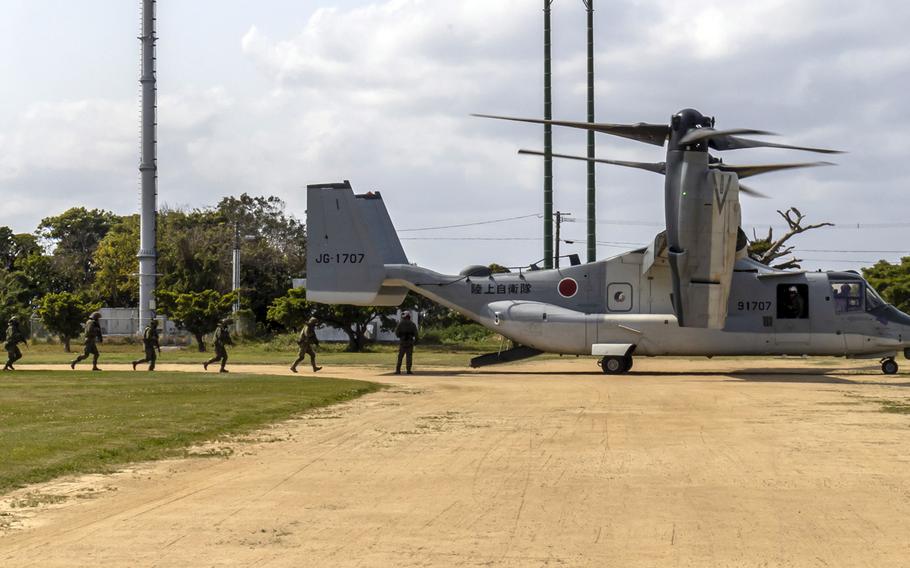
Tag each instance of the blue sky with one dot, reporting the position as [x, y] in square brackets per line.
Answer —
[266, 97]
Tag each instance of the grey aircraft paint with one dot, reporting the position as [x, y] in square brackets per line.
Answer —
[610, 308]
[701, 201]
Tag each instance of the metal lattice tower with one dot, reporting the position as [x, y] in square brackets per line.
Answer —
[148, 169]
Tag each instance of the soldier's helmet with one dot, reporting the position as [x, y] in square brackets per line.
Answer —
[227, 321]
[793, 290]
[312, 321]
[95, 315]
[14, 319]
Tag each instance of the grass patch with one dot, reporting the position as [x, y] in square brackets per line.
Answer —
[250, 353]
[72, 422]
[894, 406]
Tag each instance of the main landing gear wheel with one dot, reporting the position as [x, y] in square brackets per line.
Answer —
[889, 366]
[615, 365]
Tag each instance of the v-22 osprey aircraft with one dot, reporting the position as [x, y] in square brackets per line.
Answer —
[693, 291]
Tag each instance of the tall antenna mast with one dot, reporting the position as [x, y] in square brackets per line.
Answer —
[148, 170]
[547, 141]
[592, 227]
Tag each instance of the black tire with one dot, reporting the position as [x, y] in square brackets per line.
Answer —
[613, 365]
[889, 366]
[627, 361]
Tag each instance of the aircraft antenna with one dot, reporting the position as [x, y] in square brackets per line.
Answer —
[148, 169]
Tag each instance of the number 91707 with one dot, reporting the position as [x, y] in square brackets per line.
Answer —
[753, 305]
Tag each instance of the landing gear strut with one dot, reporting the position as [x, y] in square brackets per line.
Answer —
[615, 365]
[889, 366]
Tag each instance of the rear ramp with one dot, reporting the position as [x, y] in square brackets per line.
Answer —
[350, 240]
[507, 356]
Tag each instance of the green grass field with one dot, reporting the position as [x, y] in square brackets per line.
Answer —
[250, 353]
[54, 423]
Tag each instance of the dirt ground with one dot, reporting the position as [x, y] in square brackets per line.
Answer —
[782, 462]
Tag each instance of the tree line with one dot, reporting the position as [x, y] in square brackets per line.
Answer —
[82, 259]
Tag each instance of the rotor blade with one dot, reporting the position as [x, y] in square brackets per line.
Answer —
[700, 134]
[751, 192]
[749, 171]
[736, 143]
[649, 133]
[656, 167]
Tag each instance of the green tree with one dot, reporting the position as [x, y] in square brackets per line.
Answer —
[15, 299]
[293, 309]
[432, 314]
[272, 247]
[64, 314]
[194, 251]
[15, 247]
[74, 235]
[116, 282]
[892, 281]
[196, 312]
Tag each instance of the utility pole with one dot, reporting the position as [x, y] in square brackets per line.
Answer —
[559, 217]
[235, 280]
[592, 240]
[547, 141]
[148, 171]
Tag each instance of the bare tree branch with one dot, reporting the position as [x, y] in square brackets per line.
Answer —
[767, 250]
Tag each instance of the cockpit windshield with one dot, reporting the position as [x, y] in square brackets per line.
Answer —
[873, 300]
[854, 296]
[848, 296]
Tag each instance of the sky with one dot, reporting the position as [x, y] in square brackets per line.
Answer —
[267, 97]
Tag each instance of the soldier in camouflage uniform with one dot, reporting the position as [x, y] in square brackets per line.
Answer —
[222, 338]
[14, 337]
[407, 338]
[92, 338]
[306, 340]
[150, 342]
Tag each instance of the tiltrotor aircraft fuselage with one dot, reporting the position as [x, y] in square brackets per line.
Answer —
[692, 291]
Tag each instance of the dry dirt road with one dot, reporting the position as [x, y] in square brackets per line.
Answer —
[681, 463]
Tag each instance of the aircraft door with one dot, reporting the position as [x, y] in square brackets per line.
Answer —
[792, 323]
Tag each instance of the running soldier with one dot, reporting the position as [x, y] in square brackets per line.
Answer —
[92, 338]
[150, 342]
[307, 340]
[222, 339]
[407, 337]
[14, 337]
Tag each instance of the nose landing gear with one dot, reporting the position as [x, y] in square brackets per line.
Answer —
[615, 365]
[889, 366]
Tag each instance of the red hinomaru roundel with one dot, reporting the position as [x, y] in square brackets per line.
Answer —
[568, 287]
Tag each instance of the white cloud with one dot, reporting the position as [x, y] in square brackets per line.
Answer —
[380, 94]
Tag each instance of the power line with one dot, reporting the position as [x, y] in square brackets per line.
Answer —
[490, 222]
[842, 226]
[619, 244]
[858, 251]
[641, 223]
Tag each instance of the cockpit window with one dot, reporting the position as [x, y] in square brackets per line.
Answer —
[848, 296]
[873, 300]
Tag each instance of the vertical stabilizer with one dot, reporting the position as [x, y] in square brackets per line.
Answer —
[350, 240]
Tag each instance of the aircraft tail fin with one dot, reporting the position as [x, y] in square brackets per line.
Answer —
[350, 240]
